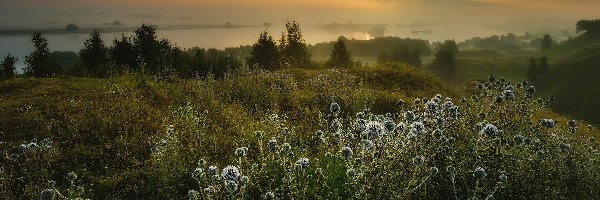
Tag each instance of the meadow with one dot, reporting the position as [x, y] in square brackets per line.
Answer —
[380, 132]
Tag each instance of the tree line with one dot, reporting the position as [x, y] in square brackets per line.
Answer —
[144, 52]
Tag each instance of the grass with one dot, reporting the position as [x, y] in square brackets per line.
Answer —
[135, 137]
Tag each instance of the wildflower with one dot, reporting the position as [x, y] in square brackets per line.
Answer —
[437, 134]
[418, 161]
[374, 129]
[433, 171]
[389, 126]
[499, 99]
[196, 174]
[334, 108]
[285, 148]
[230, 173]
[527, 141]
[412, 137]
[548, 123]
[272, 144]
[453, 111]
[479, 173]
[212, 171]
[368, 144]
[400, 103]
[270, 196]
[490, 130]
[302, 163]
[259, 134]
[508, 95]
[351, 173]
[230, 186]
[48, 194]
[417, 101]
[530, 90]
[71, 177]
[337, 136]
[240, 152]
[400, 126]
[491, 78]
[193, 195]
[417, 128]
[431, 106]
[361, 124]
[347, 153]
[564, 146]
[409, 116]
[518, 139]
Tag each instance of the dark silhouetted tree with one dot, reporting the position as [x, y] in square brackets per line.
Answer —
[340, 56]
[7, 67]
[444, 63]
[591, 26]
[538, 70]
[123, 53]
[546, 42]
[295, 52]
[146, 46]
[264, 53]
[94, 53]
[39, 62]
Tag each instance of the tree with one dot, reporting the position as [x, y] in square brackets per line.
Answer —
[123, 53]
[546, 42]
[295, 52]
[145, 44]
[591, 26]
[7, 67]
[444, 63]
[538, 70]
[94, 53]
[340, 56]
[39, 62]
[264, 53]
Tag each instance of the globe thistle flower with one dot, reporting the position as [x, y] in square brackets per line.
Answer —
[240, 152]
[564, 146]
[270, 196]
[230, 173]
[334, 108]
[417, 127]
[213, 171]
[285, 148]
[302, 163]
[230, 186]
[71, 177]
[508, 95]
[193, 195]
[368, 144]
[519, 139]
[548, 123]
[530, 90]
[527, 141]
[389, 125]
[499, 99]
[272, 144]
[48, 194]
[433, 171]
[417, 101]
[453, 111]
[409, 116]
[490, 130]
[197, 173]
[347, 153]
[491, 78]
[431, 106]
[418, 161]
[400, 126]
[259, 134]
[337, 136]
[479, 173]
[437, 134]
[400, 103]
[351, 173]
[503, 176]
[360, 124]
[374, 129]
[412, 137]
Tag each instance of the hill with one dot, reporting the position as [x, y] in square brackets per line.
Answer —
[574, 78]
[289, 134]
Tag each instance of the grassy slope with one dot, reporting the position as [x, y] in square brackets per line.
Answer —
[482, 63]
[574, 77]
[105, 129]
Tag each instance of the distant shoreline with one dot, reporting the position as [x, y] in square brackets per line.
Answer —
[61, 31]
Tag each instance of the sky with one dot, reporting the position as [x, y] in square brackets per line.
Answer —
[477, 12]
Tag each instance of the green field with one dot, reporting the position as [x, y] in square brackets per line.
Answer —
[136, 137]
